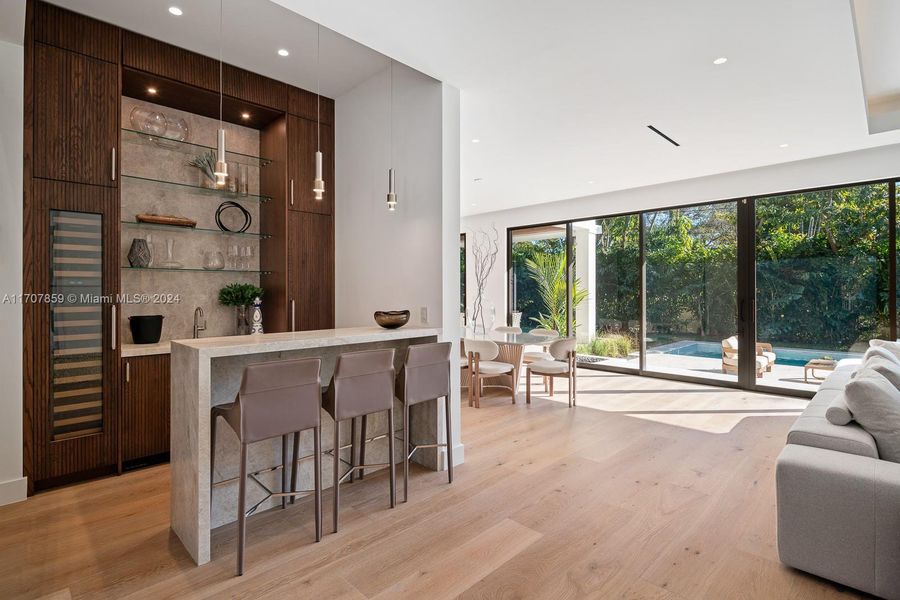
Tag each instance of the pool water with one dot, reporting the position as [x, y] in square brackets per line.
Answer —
[797, 357]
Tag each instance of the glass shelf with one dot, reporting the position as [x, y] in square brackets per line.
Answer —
[196, 189]
[139, 224]
[198, 269]
[189, 148]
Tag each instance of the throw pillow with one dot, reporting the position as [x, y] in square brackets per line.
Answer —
[889, 346]
[889, 369]
[837, 412]
[875, 405]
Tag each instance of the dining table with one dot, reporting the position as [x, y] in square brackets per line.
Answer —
[512, 349]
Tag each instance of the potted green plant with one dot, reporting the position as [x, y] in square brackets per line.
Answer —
[241, 297]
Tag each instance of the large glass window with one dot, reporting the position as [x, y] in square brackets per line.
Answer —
[822, 280]
[538, 287]
[607, 268]
[691, 260]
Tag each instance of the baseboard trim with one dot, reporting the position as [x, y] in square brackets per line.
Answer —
[14, 490]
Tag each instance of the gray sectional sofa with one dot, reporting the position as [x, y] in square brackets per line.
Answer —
[838, 503]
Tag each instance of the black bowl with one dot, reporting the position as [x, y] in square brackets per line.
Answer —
[145, 329]
[392, 319]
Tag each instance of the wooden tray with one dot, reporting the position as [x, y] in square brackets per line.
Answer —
[166, 220]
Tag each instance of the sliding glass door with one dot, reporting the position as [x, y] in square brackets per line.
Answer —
[691, 291]
[822, 280]
[607, 298]
[539, 282]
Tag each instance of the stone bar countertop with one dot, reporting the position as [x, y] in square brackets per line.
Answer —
[207, 372]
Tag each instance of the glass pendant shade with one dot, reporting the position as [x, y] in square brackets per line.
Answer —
[391, 195]
[319, 182]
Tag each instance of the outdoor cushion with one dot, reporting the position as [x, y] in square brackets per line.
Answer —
[770, 356]
[490, 367]
[875, 404]
[549, 366]
[838, 413]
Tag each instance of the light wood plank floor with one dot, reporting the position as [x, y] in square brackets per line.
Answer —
[649, 489]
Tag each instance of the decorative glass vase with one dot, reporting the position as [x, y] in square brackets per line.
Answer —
[242, 322]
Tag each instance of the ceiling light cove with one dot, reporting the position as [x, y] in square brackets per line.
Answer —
[720, 61]
[283, 52]
[174, 10]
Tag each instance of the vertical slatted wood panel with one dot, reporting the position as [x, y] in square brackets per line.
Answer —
[146, 54]
[66, 29]
[66, 458]
[76, 106]
[303, 104]
[255, 88]
[145, 407]
[311, 263]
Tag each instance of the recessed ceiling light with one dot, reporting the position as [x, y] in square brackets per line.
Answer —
[591, 181]
[151, 91]
[245, 115]
[283, 52]
[477, 179]
[473, 204]
[720, 61]
[174, 10]
[783, 145]
[476, 140]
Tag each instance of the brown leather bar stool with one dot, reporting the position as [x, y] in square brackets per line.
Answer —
[363, 384]
[425, 376]
[275, 399]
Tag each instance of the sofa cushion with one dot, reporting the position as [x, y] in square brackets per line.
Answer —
[875, 404]
[889, 369]
[837, 412]
[819, 433]
[888, 346]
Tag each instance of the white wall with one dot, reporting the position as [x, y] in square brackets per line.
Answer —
[383, 260]
[863, 165]
[12, 484]
[408, 259]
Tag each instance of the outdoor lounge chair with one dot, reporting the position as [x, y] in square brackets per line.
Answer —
[765, 357]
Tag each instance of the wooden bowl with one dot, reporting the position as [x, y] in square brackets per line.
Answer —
[391, 319]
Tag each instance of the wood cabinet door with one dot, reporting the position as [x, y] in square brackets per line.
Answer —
[302, 138]
[145, 407]
[311, 270]
[73, 410]
[76, 117]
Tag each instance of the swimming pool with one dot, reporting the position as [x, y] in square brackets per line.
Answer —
[784, 356]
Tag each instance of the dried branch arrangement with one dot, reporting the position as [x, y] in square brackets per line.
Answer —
[485, 248]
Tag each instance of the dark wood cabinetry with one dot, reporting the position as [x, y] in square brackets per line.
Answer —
[311, 270]
[303, 137]
[145, 408]
[87, 410]
[76, 120]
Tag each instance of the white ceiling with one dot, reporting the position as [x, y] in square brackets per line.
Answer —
[877, 40]
[253, 32]
[560, 93]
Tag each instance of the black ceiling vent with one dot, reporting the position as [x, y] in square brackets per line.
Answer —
[662, 135]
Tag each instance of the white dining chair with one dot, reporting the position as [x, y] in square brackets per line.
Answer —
[534, 356]
[561, 364]
[481, 363]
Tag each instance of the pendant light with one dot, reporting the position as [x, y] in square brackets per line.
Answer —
[319, 181]
[221, 171]
[391, 195]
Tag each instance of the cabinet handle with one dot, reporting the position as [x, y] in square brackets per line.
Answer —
[113, 327]
[292, 192]
[293, 316]
[127, 372]
[113, 174]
